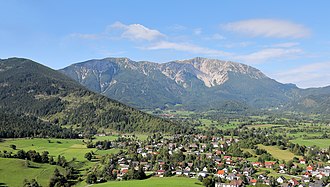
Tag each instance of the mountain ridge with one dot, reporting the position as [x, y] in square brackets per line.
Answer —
[31, 89]
[193, 84]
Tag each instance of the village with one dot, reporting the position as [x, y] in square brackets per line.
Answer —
[217, 159]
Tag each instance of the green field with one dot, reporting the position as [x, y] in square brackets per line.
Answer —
[263, 126]
[70, 148]
[278, 153]
[13, 172]
[155, 182]
[322, 143]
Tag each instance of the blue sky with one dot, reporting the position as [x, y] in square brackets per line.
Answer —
[287, 40]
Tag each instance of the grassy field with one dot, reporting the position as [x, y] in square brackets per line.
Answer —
[155, 182]
[70, 148]
[263, 126]
[13, 172]
[278, 153]
[322, 143]
[274, 174]
[141, 137]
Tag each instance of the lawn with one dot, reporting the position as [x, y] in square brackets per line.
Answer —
[70, 148]
[155, 182]
[13, 172]
[322, 143]
[278, 153]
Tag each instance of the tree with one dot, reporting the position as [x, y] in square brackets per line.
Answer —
[208, 182]
[57, 179]
[89, 156]
[33, 183]
[13, 146]
[91, 178]
[44, 157]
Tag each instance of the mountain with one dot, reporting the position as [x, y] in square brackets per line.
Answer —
[194, 84]
[29, 89]
[312, 100]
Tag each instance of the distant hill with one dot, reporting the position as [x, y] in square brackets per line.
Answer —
[30, 89]
[193, 84]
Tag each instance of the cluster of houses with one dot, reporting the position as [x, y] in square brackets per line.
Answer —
[225, 166]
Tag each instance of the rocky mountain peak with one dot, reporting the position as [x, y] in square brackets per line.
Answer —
[212, 72]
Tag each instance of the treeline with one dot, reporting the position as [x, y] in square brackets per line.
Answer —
[20, 126]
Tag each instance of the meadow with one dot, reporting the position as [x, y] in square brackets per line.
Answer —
[14, 171]
[322, 143]
[69, 148]
[155, 181]
[278, 153]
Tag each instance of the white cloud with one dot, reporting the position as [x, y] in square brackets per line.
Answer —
[215, 37]
[197, 31]
[187, 48]
[238, 44]
[268, 28]
[286, 44]
[311, 75]
[137, 32]
[119, 30]
[177, 27]
[86, 36]
[268, 54]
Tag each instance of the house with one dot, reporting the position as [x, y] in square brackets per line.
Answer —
[227, 157]
[302, 161]
[282, 166]
[186, 173]
[231, 176]
[221, 173]
[305, 179]
[178, 172]
[215, 144]
[269, 164]
[208, 155]
[247, 171]
[280, 179]
[253, 182]
[193, 146]
[309, 168]
[203, 174]
[218, 152]
[236, 183]
[160, 173]
[294, 182]
[256, 164]
[282, 171]
[320, 175]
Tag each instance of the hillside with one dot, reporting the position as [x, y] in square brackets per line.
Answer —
[193, 84]
[30, 89]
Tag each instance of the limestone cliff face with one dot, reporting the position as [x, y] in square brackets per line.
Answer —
[212, 72]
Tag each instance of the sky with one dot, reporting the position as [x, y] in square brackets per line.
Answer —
[289, 41]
